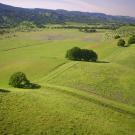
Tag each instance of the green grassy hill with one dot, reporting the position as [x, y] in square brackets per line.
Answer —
[76, 98]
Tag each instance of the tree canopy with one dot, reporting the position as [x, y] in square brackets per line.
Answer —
[76, 53]
[121, 42]
[131, 40]
[18, 80]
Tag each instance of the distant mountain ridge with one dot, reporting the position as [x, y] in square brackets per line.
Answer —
[11, 16]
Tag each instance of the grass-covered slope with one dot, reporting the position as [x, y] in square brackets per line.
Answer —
[126, 30]
[123, 32]
[53, 112]
[38, 53]
[76, 98]
[113, 77]
[109, 80]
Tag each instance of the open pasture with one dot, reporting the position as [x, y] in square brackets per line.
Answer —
[75, 98]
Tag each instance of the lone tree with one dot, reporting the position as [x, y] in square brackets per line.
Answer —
[121, 43]
[19, 80]
[131, 40]
[81, 54]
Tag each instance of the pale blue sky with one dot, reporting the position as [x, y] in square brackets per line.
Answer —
[114, 7]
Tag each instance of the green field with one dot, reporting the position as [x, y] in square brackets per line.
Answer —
[75, 98]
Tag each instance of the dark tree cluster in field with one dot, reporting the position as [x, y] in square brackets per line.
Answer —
[88, 30]
[121, 43]
[19, 80]
[12, 16]
[131, 40]
[81, 54]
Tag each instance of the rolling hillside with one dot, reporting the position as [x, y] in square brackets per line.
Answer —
[75, 98]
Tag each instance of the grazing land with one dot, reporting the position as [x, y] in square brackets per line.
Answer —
[76, 97]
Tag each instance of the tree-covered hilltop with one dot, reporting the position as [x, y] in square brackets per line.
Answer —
[12, 16]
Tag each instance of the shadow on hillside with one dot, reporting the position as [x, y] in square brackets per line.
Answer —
[4, 91]
[31, 86]
[92, 61]
[102, 62]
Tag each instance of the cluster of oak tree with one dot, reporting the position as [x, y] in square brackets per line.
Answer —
[81, 54]
[122, 42]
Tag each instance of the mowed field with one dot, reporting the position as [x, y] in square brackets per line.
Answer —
[75, 98]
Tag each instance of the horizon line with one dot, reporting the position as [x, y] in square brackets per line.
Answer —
[68, 10]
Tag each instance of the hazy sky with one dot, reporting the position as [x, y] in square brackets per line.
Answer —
[114, 7]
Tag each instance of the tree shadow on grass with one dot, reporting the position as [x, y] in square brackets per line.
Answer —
[31, 86]
[4, 91]
[96, 61]
[102, 62]
[91, 61]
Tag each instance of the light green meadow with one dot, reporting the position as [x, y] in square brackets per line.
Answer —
[75, 98]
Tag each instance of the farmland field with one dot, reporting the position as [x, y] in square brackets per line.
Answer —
[75, 98]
